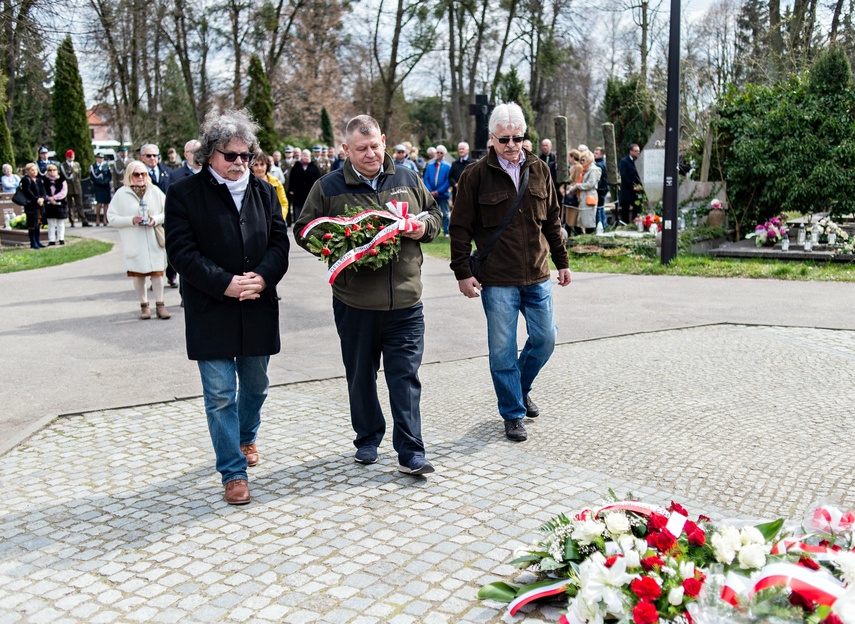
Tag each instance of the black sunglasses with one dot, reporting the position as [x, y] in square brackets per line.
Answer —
[150, 155]
[233, 156]
[506, 140]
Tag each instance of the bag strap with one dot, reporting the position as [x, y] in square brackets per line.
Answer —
[482, 253]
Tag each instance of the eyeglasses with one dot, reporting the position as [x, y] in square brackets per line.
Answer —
[506, 140]
[233, 156]
[150, 155]
[139, 174]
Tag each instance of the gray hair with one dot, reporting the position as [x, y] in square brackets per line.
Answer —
[441, 147]
[508, 115]
[464, 144]
[363, 124]
[219, 129]
[148, 145]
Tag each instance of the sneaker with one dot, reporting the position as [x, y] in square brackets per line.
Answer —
[417, 465]
[531, 409]
[366, 455]
[515, 430]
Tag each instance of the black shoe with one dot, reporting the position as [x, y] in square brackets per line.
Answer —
[87, 224]
[417, 465]
[72, 224]
[366, 455]
[173, 284]
[515, 430]
[531, 409]
[62, 242]
[51, 244]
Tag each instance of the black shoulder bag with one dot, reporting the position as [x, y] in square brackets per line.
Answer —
[477, 257]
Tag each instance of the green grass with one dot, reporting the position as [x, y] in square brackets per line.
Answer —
[23, 258]
[695, 266]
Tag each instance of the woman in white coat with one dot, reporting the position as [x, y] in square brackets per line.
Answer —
[136, 210]
[586, 188]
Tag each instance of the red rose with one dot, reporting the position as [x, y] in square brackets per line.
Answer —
[807, 562]
[646, 588]
[696, 534]
[678, 508]
[347, 232]
[657, 522]
[327, 236]
[326, 251]
[832, 619]
[355, 228]
[797, 600]
[372, 252]
[703, 519]
[692, 587]
[610, 561]
[369, 227]
[648, 563]
[645, 613]
[665, 541]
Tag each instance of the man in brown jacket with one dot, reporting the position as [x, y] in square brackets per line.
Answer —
[514, 277]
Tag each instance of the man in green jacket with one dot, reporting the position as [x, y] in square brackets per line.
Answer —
[379, 312]
[514, 277]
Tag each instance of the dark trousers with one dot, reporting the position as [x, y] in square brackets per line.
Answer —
[75, 207]
[397, 335]
[628, 212]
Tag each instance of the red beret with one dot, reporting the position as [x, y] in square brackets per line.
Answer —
[69, 154]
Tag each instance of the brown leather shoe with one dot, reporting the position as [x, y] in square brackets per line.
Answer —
[251, 453]
[145, 311]
[237, 492]
[161, 311]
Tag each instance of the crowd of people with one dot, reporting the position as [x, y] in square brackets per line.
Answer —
[219, 218]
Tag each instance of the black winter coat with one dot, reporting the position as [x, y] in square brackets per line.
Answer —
[208, 242]
[33, 189]
[301, 181]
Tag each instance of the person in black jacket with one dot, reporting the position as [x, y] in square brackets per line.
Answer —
[457, 167]
[102, 178]
[34, 189]
[300, 181]
[226, 237]
[630, 184]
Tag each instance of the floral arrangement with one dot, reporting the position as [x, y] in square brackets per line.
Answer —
[771, 232]
[716, 204]
[650, 219]
[830, 232]
[359, 238]
[18, 222]
[632, 562]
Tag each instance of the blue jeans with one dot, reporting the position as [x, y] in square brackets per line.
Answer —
[601, 217]
[399, 336]
[446, 213]
[513, 374]
[234, 413]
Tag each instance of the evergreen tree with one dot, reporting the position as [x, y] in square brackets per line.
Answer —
[512, 89]
[326, 127]
[71, 124]
[178, 122]
[629, 105]
[32, 125]
[7, 154]
[831, 72]
[259, 102]
[752, 43]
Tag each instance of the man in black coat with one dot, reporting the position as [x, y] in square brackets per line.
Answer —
[160, 175]
[226, 236]
[457, 167]
[302, 178]
[189, 167]
[630, 184]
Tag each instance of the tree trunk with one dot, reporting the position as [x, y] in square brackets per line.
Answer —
[455, 65]
[498, 74]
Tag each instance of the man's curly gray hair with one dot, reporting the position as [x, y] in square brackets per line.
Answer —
[220, 128]
[510, 116]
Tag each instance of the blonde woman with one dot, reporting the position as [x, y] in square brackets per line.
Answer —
[261, 169]
[136, 209]
[586, 188]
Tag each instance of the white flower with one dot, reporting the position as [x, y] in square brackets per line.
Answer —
[752, 556]
[617, 523]
[725, 543]
[751, 535]
[844, 607]
[675, 596]
[633, 560]
[583, 610]
[599, 583]
[587, 531]
[845, 562]
[687, 569]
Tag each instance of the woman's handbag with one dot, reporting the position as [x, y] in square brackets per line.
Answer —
[20, 197]
[590, 200]
[160, 235]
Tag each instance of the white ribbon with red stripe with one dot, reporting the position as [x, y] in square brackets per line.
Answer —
[830, 519]
[645, 509]
[797, 544]
[815, 585]
[401, 222]
[553, 589]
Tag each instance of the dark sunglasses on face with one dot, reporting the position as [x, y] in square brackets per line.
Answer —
[233, 156]
[151, 155]
[506, 140]
[139, 174]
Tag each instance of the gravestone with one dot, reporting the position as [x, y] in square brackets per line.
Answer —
[651, 166]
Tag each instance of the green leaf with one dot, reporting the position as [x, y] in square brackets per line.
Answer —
[548, 563]
[525, 559]
[498, 591]
[535, 585]
[770, 529]
[571, 551]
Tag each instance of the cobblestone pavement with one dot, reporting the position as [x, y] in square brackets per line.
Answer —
[117, 516]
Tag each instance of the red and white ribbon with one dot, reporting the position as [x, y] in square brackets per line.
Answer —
[553, 589]
[797, 544]
[830, 519]
[815, 585]
[645, 509]
[401, 222]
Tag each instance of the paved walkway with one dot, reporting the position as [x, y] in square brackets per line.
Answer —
[731, 396]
